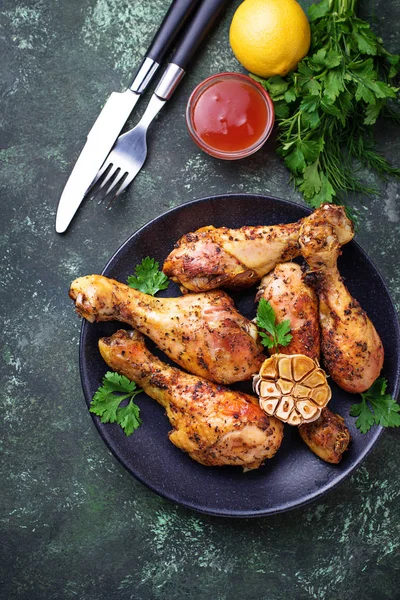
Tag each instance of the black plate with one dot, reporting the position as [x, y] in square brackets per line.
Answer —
[295, 475]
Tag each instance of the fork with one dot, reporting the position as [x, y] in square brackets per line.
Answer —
[130, 150]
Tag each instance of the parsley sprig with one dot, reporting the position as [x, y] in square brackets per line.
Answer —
[376, 408]
[326, 107]
[148, 278]
[106, 402]
[277, 333]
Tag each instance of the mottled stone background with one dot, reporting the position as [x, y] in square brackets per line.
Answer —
[74, 523]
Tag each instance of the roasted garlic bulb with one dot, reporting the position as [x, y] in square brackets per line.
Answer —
[293, 388]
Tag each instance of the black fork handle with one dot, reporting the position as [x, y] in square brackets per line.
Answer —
[195, 33]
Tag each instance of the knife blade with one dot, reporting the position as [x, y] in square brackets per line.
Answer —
[115, 113]
[99, 142]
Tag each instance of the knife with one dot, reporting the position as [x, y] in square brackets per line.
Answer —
[115, 113]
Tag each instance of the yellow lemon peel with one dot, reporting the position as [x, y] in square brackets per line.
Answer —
[269, 37]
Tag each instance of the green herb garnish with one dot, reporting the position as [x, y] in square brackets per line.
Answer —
[278, 333]
[106, 402]
[326, 107]
[148, 278]
[376, 408]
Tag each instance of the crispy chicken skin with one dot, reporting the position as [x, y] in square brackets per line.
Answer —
[213, 257]
[292, 299]
[328, 437]
[351, 347]
[203, 333]
[214, 425]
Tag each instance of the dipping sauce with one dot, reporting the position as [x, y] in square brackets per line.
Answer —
[230, 115]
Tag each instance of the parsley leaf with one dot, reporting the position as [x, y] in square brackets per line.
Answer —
[296, 161]
[128, 417]
[106, 402]
[365, 416]
[376, 408]
[278, 333]
[311, 184]
[148, 279]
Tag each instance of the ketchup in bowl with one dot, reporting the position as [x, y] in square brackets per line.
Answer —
[230, 115]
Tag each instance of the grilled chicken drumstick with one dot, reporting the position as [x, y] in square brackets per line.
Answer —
[214, 425]
[212, 257]
[292, 299]
[351, 347]
[203, 333]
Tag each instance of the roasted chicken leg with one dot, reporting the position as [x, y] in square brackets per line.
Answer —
[214, 425]
[351, 347]
[328, 437]
[292, 299]
[212, 257]
[203, 333]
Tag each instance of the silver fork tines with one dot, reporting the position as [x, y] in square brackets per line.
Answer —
[127, 156]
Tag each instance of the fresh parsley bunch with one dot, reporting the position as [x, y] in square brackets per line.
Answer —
[326, 107]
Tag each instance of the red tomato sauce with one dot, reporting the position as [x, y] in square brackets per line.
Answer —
[230, 115]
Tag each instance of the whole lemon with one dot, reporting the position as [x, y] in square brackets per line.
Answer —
[269, 37]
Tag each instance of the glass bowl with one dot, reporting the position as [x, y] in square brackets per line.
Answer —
[233, 101]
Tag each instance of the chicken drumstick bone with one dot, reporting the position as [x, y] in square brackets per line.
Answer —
[214, 425]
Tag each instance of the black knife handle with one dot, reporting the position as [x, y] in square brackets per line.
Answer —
[176, 17]
[199, 27]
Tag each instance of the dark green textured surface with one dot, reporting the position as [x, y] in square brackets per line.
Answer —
[74, 523]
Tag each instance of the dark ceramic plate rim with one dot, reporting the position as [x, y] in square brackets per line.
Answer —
[283, 507]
